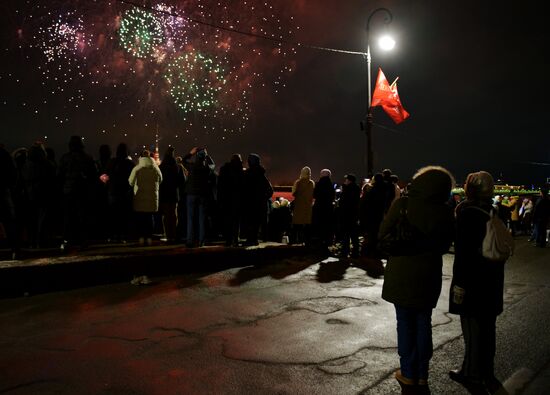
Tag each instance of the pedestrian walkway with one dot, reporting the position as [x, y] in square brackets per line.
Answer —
[55, 270]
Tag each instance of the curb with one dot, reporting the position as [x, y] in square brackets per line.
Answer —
[51, 274]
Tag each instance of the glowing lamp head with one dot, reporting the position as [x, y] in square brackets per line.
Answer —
[386, 43]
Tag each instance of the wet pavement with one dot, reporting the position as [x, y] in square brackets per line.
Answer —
[271, 320]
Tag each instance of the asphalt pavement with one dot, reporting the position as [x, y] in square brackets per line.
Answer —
[269, 320]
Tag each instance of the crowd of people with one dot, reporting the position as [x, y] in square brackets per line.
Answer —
[188, 201]
[78, 200]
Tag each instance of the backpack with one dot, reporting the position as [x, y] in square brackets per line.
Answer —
[498, 243]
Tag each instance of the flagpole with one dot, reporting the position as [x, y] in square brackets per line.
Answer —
[369, 121]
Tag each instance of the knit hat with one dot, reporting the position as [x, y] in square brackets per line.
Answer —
[326, 173]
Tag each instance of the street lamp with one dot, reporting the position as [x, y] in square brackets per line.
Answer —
[386, 43]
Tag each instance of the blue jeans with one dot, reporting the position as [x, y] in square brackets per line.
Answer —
[196, 205]
[414, 341]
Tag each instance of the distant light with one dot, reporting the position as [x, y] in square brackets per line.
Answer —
[386, 43]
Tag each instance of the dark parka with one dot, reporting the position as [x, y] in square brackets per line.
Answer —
[323, 206]
[414, 281]
[257, 188]
[199, 179]
[119, 170]
[172, 178]
[39, 175]
[348, 204]
[230, 186]
[8, 175]
[481, 279]
[77, 171]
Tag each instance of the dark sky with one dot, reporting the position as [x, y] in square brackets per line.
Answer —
[472, 76]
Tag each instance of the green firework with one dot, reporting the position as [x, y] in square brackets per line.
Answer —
[195, 81]
[140, 33]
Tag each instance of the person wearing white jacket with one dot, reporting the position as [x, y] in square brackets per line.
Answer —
[145, 179]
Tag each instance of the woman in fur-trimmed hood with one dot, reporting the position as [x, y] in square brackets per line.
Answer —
[412, 280]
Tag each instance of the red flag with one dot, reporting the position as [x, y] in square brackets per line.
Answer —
[382, 91]
[386, 95]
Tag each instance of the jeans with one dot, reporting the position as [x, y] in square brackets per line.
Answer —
[196, 205]
[414, 341]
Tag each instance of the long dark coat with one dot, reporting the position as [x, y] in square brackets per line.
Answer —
[482, 280]
[323, 206]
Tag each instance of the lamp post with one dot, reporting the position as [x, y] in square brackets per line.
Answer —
[387, 44]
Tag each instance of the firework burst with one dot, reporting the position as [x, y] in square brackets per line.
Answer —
[141, 33]
[64, 39]
[195, 81]
[134, 67]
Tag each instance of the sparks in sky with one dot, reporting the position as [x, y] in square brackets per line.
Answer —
[126, 67]
[195, 81]
[64, 38]
[141, 33]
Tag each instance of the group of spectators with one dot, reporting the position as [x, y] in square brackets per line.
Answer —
[76, 200]
[324, 213]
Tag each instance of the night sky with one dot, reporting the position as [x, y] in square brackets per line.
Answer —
[473, 77]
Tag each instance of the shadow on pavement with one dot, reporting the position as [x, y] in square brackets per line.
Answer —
[275, 269]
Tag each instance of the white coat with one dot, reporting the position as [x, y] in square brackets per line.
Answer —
[146, 178]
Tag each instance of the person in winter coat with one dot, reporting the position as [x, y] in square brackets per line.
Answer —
[120, 193]
[145, 178]
[8, 174]
[78, 177]
[477, 286]
[172, 175]
[541, 218]
[101, 202]
[19, 193]
[371, 213]
[230, 190]
[40, 182]
[302, 190]
[526, 216]
[199, 194]
[413, 276]
[181, 227]
[257, 191]
[323, 210]
[348, 212]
